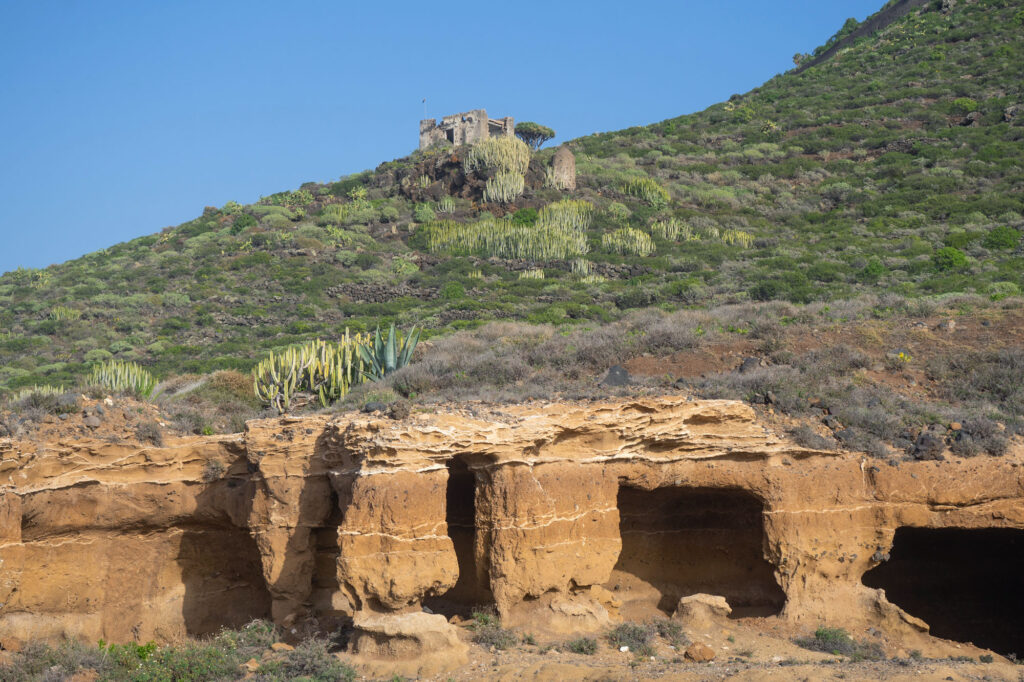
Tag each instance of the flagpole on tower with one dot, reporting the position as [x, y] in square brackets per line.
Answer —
[424, 107]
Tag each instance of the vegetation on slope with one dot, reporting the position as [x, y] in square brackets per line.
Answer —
[895, 166]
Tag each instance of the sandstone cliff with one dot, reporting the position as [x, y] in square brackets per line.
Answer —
[566, 517]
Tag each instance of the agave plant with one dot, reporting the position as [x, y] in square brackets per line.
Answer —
[382, 356]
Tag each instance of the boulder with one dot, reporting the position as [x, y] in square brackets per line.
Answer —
[617, 376]
[699, 653]
[412, 644]
[700, 611]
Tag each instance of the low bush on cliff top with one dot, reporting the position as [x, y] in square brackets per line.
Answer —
[218, 658]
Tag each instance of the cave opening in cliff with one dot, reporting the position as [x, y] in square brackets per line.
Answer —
[965, 583]
[326, 546]
[679, 541]
[472, 589]
[222, 574]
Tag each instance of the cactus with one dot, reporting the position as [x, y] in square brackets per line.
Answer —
[382, 356]
[647, 189]
[446, 205]
[30, 391]
[327, 370]
[123, 377]
[558, 234]
[581, 267]
[628, 241]
[504, 187]
[61, 313]
[508, 154]
[533, 273]
[672, 230]
[738, 237]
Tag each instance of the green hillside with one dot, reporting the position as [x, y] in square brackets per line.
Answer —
[895, 165]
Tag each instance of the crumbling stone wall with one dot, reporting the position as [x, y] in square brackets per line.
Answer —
[468, 127]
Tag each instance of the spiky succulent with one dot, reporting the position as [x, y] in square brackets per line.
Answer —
[382, 356]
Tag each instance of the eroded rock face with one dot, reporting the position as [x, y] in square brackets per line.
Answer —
[564, 517]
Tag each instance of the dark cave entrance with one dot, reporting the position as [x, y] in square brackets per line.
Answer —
[472, 589]
[682, 541]
[966, 584]
[326, 546]
[222, 573]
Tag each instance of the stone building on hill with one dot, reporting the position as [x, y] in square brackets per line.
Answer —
[469, 127]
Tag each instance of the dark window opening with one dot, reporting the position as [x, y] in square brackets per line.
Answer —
[682, 541]
[966, 584]
[450, 134]
[472, 589]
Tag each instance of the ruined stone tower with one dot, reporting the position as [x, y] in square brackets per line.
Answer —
[564, 166]
[469, 127]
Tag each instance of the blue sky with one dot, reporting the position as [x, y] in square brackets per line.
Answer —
[122, 117]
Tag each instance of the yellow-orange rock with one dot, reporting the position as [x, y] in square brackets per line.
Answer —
[563, 516]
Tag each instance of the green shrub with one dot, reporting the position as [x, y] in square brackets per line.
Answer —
[1002, 238]
[586, 646]
[873, 271]
[311, 660]
[949, 258]
[423, 213]
[964, 106]
[1000, 290]
[487, 631]
[636, 636]
[525, 216]
[452, 291]
[242, 222]
[618, 212]
[98, 355]
[838, 642]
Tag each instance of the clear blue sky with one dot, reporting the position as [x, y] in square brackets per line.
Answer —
[121, 117]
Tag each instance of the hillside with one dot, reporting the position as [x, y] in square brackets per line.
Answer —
[895, 166]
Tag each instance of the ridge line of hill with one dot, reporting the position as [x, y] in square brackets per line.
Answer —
[876, 22]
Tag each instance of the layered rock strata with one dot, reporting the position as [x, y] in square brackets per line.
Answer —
[565, 517]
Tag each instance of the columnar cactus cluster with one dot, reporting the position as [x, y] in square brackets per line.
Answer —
[325, 369]
[121, 376]
[559, 233]
[628, 240]
[647, 189]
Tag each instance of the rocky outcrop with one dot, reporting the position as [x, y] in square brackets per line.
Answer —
[566, 517]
